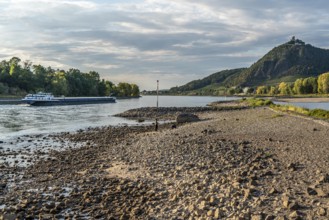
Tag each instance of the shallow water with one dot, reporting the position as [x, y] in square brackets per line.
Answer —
[309, 105]
[18, 120]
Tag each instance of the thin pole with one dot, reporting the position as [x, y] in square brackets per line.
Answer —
[157, 94]
[156, 117]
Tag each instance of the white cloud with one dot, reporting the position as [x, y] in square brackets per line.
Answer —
[137, 40]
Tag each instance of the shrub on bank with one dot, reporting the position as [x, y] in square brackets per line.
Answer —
[319, 113]
[316, 113]
[255, 102]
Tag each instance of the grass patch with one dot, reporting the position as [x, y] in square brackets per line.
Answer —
[255, 102]
[319, 113]
[316, 113]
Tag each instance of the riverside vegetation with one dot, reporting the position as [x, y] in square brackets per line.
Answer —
[18, 78]
[315, 113]
[236, 163]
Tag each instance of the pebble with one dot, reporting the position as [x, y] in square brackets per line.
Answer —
[183, 173]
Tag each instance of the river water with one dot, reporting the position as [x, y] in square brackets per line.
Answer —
[309, 105]
[18, 120]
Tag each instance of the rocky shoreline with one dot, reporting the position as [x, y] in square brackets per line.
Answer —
[234, 164]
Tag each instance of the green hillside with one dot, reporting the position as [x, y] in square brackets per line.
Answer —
[286, 62]
[219, 79]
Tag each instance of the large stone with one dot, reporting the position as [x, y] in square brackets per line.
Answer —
[311, 192]
[217, 213]
[324, 178]
[186, 117]
[321, 211]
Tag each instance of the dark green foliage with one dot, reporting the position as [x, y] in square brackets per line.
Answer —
[20, 79]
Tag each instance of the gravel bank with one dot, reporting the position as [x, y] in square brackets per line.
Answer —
[237, 164]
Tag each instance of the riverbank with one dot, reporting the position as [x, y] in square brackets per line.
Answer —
[246, 163]
[302, 99]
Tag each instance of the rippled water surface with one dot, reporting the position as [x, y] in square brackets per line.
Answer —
[16, 120]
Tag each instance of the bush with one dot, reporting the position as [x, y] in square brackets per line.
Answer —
[255, 102]
[319, 113]
[316, 113]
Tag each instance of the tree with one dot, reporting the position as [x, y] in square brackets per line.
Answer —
[4, 72]
[298, 87]
[75, 82]
[231, 91]
[14, 65]
[43, 77]
[124, 89]
[261, 90]
[323, 83]
[250, 90]
[273, 90]
[59, 85]
[310, 85]
[110, 88]
[134, 90]
[16, 78]
[284, 89]
[102, 88]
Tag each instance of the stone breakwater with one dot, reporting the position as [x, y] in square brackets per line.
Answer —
[246, 164]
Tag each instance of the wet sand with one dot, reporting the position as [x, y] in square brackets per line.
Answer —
[233, 164]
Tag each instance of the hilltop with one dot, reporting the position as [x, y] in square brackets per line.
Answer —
[287, 62]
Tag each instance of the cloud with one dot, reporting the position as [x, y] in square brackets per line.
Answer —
[138, 41]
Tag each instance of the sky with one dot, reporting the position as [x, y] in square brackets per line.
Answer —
[141, 42]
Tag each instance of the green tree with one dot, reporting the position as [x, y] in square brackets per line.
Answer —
[134, 90]
[231, 91]
[110, 88]
[298, 87]
[323, 83]
[273, 90]
[4, 72]
[261, 90]
[284, 89]
[14, 65]
[124, 89]
[75, 82]
[102, 88]
[310, 85]
[59, 85]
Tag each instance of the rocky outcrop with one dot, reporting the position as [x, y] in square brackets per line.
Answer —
[186, 117]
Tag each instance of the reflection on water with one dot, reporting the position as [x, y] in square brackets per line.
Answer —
[16, 120]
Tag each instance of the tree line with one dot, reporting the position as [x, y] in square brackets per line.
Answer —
[310, 85]
[19, 78]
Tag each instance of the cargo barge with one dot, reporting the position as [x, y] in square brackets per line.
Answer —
[47, 99]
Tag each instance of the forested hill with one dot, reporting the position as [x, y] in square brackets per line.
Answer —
[287, 62]
[219, 78]
[284, 63]
[18, 78]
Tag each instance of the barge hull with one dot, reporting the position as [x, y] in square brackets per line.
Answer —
[72, 101]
